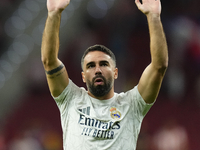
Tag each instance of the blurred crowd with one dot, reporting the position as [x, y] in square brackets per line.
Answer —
[33, 137]
[6, 8]
[172, 124]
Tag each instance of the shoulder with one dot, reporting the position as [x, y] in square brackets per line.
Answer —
[129, 94]
[133, 97]
[71, 91]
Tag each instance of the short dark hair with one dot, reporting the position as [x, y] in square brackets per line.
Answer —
[101, 48]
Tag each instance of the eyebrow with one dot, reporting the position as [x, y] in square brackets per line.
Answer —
[90, 63]
[104, 62]
[101, 62]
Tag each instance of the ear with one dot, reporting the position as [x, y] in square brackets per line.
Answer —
[83, 76]
[116, 73]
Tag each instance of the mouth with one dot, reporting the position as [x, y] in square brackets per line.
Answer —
[98, 81]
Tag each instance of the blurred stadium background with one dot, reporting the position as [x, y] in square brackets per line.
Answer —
[29, 118]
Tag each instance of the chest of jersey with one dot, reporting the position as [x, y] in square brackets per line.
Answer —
[100, 127]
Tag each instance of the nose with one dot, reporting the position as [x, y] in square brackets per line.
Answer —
[98, 70]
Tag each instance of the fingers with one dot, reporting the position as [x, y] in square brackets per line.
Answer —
[138, 3]
[149, 6]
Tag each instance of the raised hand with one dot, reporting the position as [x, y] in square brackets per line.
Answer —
[57, 5]
[149, 6]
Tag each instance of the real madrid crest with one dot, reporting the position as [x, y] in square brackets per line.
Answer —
[114, 113]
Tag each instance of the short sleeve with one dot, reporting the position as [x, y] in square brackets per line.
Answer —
[138, 105]
[67, 96]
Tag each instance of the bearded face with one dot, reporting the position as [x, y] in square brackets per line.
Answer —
[99, 73]
[99, 86]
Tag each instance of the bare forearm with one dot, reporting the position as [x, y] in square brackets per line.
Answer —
[50, 40]
[151, 79]
[158, 44]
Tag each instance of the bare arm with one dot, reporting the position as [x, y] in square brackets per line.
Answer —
[56, 73]
[151, 79]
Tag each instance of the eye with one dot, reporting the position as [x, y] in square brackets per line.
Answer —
[104, 64]
[90, 66]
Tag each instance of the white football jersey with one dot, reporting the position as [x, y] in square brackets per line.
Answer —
[92, 124]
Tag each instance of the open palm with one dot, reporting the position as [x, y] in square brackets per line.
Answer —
[149, 6]
[57, 5]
